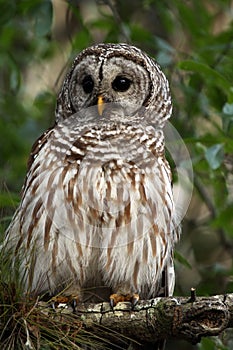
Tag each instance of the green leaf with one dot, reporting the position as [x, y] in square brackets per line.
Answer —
[208, 73]
[225, 220]
[15, 77]
[214, 156]
[8, 11]
[43, 18]
[228, 108]
[44, 98]
[9, 200]
[182, 260]
[164, 45]
[207, 344]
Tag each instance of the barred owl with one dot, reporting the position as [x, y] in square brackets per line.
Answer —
[97, 208]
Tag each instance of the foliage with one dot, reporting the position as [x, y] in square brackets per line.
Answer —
[192, 41]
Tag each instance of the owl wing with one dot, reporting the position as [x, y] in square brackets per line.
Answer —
[43, 231]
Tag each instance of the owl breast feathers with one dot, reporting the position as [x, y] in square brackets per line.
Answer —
[97, 207]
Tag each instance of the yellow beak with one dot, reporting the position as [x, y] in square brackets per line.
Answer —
[100, 105]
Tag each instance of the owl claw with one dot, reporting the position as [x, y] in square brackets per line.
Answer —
[112, 302]
[117, 298]
[134, 300]
[53, 305]
[61, 300]
[74, 303]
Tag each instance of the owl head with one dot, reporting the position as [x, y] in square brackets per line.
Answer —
[116, 74]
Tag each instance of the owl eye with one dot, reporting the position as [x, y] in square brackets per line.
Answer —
[88, 84]
[121, 84]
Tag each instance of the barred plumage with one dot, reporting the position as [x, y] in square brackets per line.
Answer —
[97, 206]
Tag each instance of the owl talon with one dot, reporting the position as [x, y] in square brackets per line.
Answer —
[112, 302]
[53, 306]
[62, 300]
[117, 298]
[134, 300]
[74, 303]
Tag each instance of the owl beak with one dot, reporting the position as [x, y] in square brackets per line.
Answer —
[100, 105]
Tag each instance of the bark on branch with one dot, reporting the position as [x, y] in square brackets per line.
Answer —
[179, 317]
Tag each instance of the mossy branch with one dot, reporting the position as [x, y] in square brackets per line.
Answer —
[179, 317]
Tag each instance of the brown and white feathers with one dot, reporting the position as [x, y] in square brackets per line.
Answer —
[97, 205]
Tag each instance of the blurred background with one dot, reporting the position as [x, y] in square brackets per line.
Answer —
[193, 42]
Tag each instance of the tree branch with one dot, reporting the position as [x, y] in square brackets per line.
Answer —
[155, 319]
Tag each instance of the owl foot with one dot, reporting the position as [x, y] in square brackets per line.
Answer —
[63, 301]
[117, 298]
